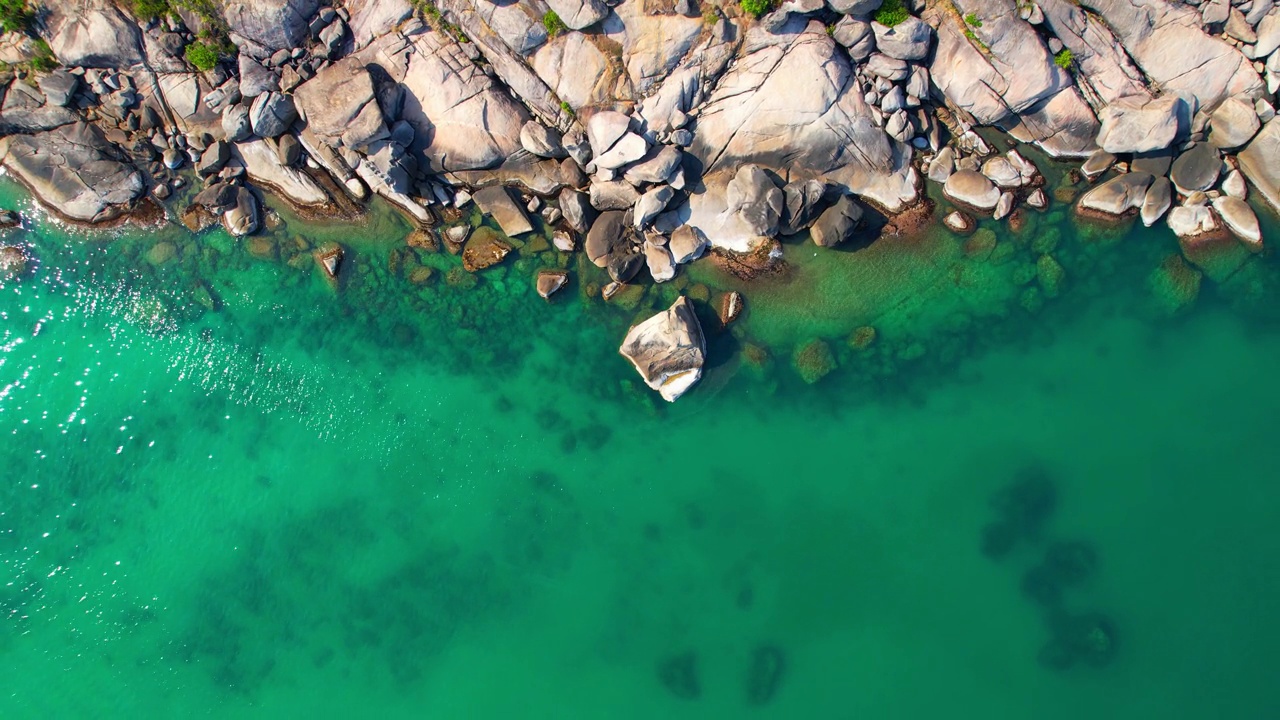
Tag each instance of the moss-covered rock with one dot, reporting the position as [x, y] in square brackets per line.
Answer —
[460, 279]
[814, 360]
[1046, 242]
[862, 337]
[1051, 276]
[1174, 285]
[485, 248]
[981, 244]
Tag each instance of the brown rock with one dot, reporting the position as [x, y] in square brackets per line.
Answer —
[1064, 194]
[550, 281]
[13, 262]
[731, 306]
[981, 244]
[423, 240]
[329, 258]
[863, 337]
[261, 248]
[421, 275]
[765, 259]
[197, 218]
[485, 249]
[161, 253]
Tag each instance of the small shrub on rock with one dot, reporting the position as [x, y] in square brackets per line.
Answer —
[1064, 59]
[43, 60]
[150, 9]
[554, 25]
[15, 16]
[756, 7]
[203, 57]
[891, 13]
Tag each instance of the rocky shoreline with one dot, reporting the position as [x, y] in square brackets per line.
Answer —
[648, 133]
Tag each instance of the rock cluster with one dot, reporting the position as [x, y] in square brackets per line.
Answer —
[646, 133]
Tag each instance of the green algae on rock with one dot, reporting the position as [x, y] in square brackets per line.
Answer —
[813, 360]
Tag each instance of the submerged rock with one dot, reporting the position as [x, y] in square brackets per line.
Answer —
[1175, 285]
[484, 249]
[13, 262]
[1026, 504]
[1050, 275]
[1089, 639]
[768, 665]
[814, 361]
[329, 258]
[668, 350]
[679, 675]
[1071, 562]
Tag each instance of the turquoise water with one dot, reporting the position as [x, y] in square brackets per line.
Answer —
[231, 489]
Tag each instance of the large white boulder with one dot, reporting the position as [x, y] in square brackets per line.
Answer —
[668, 350]
[1131, 125]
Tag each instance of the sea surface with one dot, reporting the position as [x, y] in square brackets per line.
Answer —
[231, 488]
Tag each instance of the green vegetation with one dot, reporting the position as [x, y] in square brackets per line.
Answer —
[710, 16]
[203, 56]
[146, 10]
[43, 61]
[554, 25]
[756, 8]
[1064, 59]
[968, 32]
[435, 19]
[972, 20]
[15, 16]
[428, 10]
[566, 108]
[891, 13]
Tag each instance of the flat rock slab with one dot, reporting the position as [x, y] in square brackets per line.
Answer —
[1196, 169]
[1259, 162]
[76, 171]
[1233, 123]
[1134, 125]
[497, 202]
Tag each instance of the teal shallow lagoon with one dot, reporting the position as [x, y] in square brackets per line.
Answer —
[320, 503]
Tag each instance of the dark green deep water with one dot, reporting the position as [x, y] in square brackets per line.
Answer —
[398, 501]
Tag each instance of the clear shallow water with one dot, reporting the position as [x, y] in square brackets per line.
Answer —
[462, 503]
